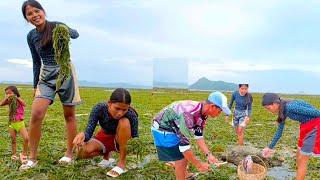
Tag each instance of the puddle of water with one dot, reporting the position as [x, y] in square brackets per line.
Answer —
[281, 173]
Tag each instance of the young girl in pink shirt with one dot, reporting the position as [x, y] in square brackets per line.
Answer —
[16, 123]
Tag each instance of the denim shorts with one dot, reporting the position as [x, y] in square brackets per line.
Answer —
[46, 88]
[239, 117]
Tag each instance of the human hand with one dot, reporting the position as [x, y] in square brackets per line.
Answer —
[9, 95]
[203, 167]
[79, 139]
[267, 152]
[213, 160]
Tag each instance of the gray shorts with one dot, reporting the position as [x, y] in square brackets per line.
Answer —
[46, 88]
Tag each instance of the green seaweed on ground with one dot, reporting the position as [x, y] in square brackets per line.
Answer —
[138, 147]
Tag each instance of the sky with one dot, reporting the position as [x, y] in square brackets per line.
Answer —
[171, 70]
[272, 45]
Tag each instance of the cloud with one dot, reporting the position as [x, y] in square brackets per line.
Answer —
[136, 44]
[224, 39]
[130, 60]
[24, 62]
[55, 10]
[62, 9]
[15, 73]
[206, 19]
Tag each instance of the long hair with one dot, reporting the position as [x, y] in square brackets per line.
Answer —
[49, 26]
[282, 108]
[246, 85]
[121, 95]
[13, 89]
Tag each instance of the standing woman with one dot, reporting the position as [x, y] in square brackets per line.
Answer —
[45, 73]
[242, 111]
[309, 119]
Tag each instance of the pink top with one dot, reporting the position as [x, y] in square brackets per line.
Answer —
[20, 112]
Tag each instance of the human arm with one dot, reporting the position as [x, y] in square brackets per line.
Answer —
[204, 148]
[230, 105]
[36, 60]
[277, 136]
[202, 167]
[269, 150]
[132, 115]
[21, 101]
[4, 102]
[93, 121]
[250, 101]
[231, 100]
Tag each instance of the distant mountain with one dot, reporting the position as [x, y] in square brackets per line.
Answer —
[206, 84]
[173, 85]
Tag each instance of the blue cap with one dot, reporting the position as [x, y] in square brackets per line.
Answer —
[220, 100]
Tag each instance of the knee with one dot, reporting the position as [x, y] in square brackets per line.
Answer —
[82, 153]
[37, 114]
[69, 117]
[124, 123]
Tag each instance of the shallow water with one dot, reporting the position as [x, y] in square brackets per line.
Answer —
[281, 172]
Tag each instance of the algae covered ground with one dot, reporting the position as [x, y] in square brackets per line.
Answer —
[142, 161]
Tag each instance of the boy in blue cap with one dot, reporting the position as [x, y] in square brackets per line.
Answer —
[175, 124]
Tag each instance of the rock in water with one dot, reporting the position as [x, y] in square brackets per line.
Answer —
[235, 154]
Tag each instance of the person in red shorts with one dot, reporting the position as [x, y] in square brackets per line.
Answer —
[309, 118]
[119, 123]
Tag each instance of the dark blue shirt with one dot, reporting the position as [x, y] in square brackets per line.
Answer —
[100, 114]
[46, 54]
[242, 102]
[297, 110]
